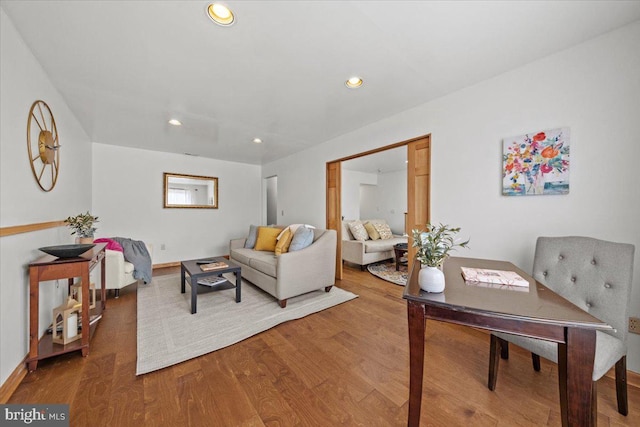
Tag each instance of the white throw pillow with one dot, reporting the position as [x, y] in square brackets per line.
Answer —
[383, 230]
[358, 231]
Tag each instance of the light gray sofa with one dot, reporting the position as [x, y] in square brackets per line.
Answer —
[366, 252]
[292, 273]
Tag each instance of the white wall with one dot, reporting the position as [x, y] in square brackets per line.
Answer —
[23, 81]
[128, 199]
[350, 191]
[369, 203]
[593, 88]
[392, 194]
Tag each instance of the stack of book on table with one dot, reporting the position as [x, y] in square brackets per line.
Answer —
[214, 266]
[500, 279]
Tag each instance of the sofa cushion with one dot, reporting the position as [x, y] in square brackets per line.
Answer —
[358, 231]
[383, 230]
[262, 261]
[251, 238]
[267, 239]
[371, 231]
[371, 246]
[242, 255]
[265, 262]
[284, 241]
[302, 238]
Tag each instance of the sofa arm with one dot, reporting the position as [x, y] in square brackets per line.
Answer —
[311, 268]
[236, 244]
[353, 251]
[118, 272]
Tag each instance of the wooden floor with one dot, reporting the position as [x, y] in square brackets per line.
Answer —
[347, 365]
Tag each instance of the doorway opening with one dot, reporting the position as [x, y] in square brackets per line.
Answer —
[418, 152]
[271, 184]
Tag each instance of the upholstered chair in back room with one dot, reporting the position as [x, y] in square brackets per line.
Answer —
[119, 273]
[596, 276]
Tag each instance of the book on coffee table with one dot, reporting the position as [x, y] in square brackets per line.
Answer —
[214, 266]
[500, 277]
[211, 281]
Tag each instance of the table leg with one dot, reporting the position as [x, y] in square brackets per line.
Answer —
[86, 330]
[194, 294]
[238, 286]
[416, 318]
[182, 290]
[103, 282]
[575, 370]
[34, 301]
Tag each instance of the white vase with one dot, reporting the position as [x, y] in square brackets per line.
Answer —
[431, 279]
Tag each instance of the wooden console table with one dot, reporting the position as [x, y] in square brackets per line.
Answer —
[48, 268]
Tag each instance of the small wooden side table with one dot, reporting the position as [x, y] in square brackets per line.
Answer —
[400, 250]
[48, 268]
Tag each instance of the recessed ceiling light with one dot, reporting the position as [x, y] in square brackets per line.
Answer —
[220, 14]
[257, 140]
[354, 82]
[175, 122]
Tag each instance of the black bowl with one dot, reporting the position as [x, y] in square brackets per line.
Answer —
[67, 251]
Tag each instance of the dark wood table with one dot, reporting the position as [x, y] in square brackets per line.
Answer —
[538, 313]
[192, 268]
[400, 250]
[48, 268]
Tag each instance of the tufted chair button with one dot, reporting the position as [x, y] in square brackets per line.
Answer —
[588, 305]
[593, 262]
[607, 285]
[560, 257]
[573, 279]
[544, 274]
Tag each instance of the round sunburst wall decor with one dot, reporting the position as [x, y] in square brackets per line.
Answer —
[43, 145]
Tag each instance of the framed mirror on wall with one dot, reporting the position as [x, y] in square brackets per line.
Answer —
[190, 191]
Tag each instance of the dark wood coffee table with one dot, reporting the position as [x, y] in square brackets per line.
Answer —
[400, 251]
[192, 268]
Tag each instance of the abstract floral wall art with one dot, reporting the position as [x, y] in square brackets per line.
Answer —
[536, 163]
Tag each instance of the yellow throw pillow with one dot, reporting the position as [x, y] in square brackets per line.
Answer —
[283, 243]
[267, 239]
[371, 231]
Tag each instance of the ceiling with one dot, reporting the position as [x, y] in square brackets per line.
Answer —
[126, 68]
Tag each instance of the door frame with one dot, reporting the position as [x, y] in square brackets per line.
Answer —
[418, 189]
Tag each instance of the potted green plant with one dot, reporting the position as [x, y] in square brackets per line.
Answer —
[82, 226]
[433, 247]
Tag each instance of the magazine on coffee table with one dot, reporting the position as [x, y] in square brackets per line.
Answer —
[499, 277]
[211, 281]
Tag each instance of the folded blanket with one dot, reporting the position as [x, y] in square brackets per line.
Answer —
[135, 252]
[112, 245]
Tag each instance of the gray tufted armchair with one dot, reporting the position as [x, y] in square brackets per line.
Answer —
[596, 276]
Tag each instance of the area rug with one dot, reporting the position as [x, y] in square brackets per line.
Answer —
[168, 333]
[386, 270]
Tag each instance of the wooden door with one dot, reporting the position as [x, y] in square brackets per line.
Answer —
[418, 186]
[334, 209]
